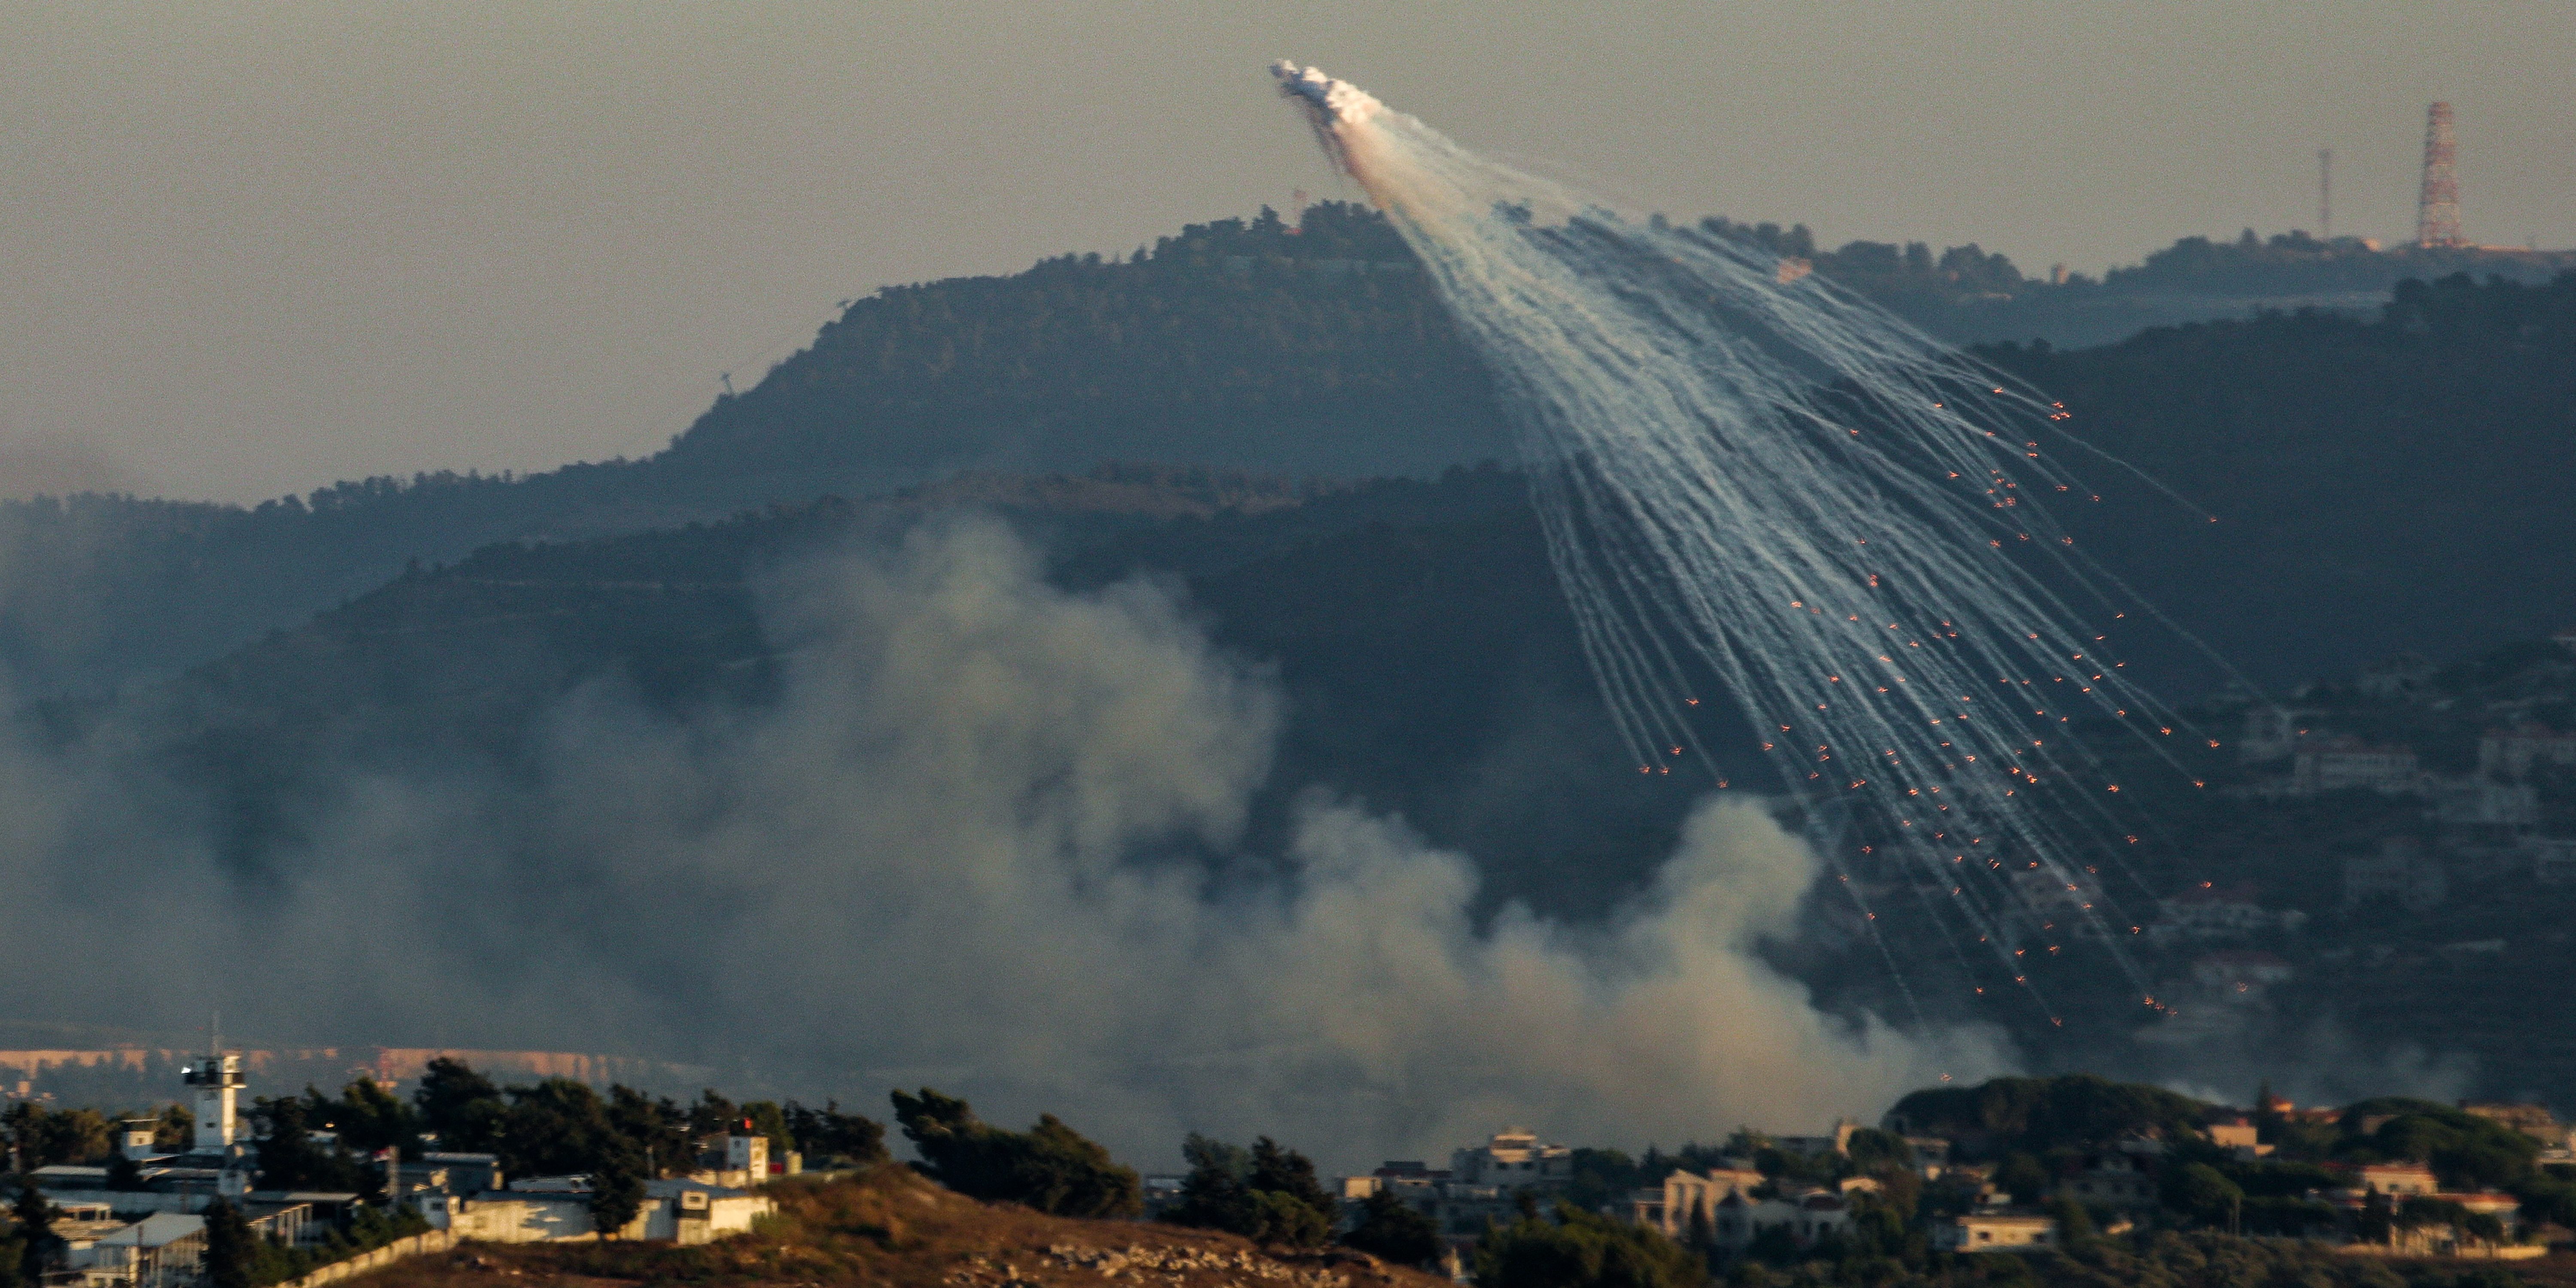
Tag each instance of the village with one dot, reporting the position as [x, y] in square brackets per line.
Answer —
[2021, 1166]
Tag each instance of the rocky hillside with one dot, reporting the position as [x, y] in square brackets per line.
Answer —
[892, 1228]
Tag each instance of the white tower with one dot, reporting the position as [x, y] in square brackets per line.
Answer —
[218, 1082]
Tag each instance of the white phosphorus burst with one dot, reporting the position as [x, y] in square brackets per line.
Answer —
[1745, 470]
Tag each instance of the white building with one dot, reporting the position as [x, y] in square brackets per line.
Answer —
[2484, 802]
[1514, 1160]
[2207, 911]
[1684, 1193]
[556, 1209]
[2342, 764]
[1994, 1232]
[2513, 753]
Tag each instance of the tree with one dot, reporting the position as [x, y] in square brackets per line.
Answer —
[713, 1115]
[1296, 1212]
[1069, 1175]
[827, 1135]
[174, 1129]
[766, 1118]
[463, 1107]
[616, 1193]
[1216, 1195]
[2023, 1177]
[46, 1137]
[2378, 1221]
[230, 1247]
[655, 1128]
[1391, 1230]
[1875, 1150]
[558, 1127]
[2074, 1224]
[1583, 1250]
[289, 1157]
[1268, 1193]
[370, 1118]
[36, 1239]
[2204, 1194]
[1050, 1167]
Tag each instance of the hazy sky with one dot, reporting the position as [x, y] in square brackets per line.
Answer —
[255, 248]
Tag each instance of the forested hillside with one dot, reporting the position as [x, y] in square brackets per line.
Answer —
[2378, 485]
[1310, 351]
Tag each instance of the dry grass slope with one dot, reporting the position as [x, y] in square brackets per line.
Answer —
[890, 1227]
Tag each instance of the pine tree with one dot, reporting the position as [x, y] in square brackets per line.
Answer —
[229, 1248]
[616, 1194]
[35, 1218]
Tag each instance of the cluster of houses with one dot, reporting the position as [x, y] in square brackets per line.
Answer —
[1726, 1208]
[146, 1229]
[2489, 821]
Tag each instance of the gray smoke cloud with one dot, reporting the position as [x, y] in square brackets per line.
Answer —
[987, 837]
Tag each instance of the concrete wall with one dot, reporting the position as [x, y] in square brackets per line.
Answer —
[434, 1241]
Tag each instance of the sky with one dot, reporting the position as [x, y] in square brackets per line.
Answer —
[253, 249]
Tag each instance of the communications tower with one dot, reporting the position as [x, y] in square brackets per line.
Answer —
[2437, 208]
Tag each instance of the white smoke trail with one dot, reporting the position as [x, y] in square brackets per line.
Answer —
[1744, 470]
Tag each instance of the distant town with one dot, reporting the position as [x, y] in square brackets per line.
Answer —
[222, 1188]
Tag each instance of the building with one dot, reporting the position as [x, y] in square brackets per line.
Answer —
[2209, 911]
[1514, 1160]
[1995, 1232]
[1482, 1186]
[2270, 733]
[1838, 1140]
[2394, 1179]
[1804, 1220]
[2553, 859]
[2484, 802]
[2401, 871]
[449, 1173]
[2346, 764]
[1684, 1193]
[163, 1250]
[2396, 676]
[2534, 1121]
[217, 1080]
[550, 1209]
[2513, 753]
[2239, 1137]
[2240, 974]
[2109, 1179]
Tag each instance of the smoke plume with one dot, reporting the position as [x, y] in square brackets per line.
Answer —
[988, 836]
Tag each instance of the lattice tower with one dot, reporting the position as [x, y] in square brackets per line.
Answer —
[2437, 209]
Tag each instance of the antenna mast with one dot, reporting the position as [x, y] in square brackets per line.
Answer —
[2437, 209]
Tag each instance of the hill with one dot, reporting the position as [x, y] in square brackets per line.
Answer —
[888, 1226]
[1244, 345]
[2398, 483]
